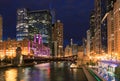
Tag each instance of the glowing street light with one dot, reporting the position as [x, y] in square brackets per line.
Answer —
[116, 56]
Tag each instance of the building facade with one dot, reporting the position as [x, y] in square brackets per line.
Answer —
[88, 43]
[110, 27]
[1, 28]
[30, 23]
[100, 31]
[57, 36]
[116, 13]
[8, 48]
[68, 51]
[40, 22]
[34, 48]
[97, 26]
[22, 24]
[92, 33]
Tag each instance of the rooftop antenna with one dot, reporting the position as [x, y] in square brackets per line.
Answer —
[52, 11]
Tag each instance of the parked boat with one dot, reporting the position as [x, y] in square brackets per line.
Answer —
[73, 65]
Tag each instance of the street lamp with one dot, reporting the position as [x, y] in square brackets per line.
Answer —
[111, 56]
[90, 60]
[116, 56]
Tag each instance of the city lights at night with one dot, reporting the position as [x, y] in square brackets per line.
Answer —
[60, 40]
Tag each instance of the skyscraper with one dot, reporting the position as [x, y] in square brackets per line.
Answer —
[92, 33]
[33, 22]
[30, 23]
[40, 22]
[110, 4]
[22, 24]
[110, 29]
[88, 43]
[110, 26]
[97, 26]
[116, 11]
[1, 29]
[58, 36]
[100, 27]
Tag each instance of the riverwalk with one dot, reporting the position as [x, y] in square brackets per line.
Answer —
[12, 65]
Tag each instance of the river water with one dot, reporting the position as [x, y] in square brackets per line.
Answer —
[54, 71]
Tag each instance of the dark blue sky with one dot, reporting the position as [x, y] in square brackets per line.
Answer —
[73, 13]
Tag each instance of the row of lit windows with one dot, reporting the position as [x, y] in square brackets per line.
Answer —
[23, 30]
[22, 25]
[22, 34]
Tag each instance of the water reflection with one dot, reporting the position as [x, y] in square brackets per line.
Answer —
[54, 71]
[10, 75]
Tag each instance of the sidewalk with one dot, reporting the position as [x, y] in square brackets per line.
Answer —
[19, 65]
[5, 65]
[88, 75]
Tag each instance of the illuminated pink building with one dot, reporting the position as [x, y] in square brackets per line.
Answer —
[37, 48]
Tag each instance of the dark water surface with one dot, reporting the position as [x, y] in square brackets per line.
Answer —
[54, 71]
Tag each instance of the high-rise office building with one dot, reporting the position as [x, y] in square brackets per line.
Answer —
[100, 27]
[97, 26]
[109, 4]
[40, 22]
[1, 29]
[22, 24]
[103, 27]
[116, 20]
[58, 36]
[110, 29]
[84, 46]
[92, 33]
[92, 23]
[88, 43]
[30, 23]
[110, 26]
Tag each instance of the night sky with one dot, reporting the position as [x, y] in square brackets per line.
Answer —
[74, 14]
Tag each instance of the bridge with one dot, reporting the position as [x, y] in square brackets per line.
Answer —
[29, 59]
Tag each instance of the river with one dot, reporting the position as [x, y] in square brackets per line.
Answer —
[54, 71]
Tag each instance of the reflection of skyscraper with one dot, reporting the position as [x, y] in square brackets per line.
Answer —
[1, 32]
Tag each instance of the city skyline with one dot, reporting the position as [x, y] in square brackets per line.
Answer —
[71, 13]
[59, 40]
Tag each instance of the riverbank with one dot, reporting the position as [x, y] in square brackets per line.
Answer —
[13, 65]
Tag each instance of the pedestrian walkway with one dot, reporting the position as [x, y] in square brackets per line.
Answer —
[88, 75]
[5, 65]
[19, 65]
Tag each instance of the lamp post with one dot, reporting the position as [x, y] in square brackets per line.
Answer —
[111, 56]
[90, 60]
[116, 56]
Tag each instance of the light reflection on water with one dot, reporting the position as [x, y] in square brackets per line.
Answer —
[43, 72]
[10, 75]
